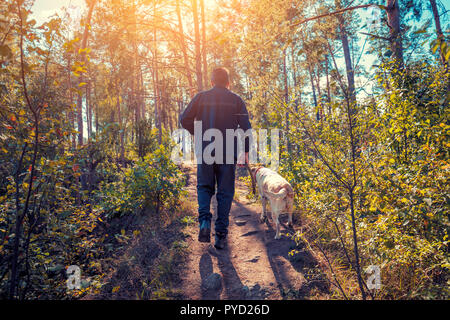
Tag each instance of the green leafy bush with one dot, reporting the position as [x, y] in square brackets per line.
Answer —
[152, 183]
[401, 196]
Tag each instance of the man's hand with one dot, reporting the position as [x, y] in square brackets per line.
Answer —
[243, 160]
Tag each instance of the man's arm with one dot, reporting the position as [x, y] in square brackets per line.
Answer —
[187, 118]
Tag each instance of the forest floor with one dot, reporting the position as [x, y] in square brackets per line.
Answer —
[164, 259]
[254, 265]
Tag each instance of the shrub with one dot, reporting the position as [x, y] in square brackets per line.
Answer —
[154, 182]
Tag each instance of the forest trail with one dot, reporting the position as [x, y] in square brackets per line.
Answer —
[254, 265]
[166, 261]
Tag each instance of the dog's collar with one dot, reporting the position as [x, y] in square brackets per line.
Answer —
[258, 170]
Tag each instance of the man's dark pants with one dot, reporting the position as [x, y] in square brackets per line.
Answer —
[207, 176]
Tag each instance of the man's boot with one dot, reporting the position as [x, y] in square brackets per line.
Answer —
[205, 231]
[221, 240]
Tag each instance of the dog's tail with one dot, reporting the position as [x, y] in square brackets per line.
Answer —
[279, 195]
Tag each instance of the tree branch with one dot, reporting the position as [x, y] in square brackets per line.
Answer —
[329, 14]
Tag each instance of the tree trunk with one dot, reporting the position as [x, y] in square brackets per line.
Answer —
[135, 85]
[156, 101]
[286, 98]
[89, 109]
[319, 93]
[285, 79]
[294, 70]
[351, 93]
[81, 78]
[205, 66]
[439, 33]
[21, 216]
[142, 93]
[355, 246]
[295, 80]
[184, 50]
[351, 190]
[121, 126]
[71, 113]
[96, 107]
[312, 86]
[198, 56]
[156, 81]
[327, 72]
[395, 39]
[339, 76]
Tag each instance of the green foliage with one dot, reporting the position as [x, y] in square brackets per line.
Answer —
[48, 182]
[153, 182]
[402, 192]
[188, 220]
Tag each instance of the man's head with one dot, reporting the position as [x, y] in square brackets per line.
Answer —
[220, 77]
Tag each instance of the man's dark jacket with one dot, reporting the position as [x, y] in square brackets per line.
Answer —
[217, 108]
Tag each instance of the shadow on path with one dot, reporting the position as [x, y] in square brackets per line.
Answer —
[290, 284]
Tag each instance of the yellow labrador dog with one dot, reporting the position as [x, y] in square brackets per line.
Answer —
[273, 187]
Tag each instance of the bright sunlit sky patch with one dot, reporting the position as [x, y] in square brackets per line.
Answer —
[43, 9]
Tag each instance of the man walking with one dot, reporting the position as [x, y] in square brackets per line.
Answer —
[220, 109]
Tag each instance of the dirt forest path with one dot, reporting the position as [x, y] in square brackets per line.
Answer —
[254, 266]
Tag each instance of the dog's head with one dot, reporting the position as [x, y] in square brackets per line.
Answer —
[252, 169]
